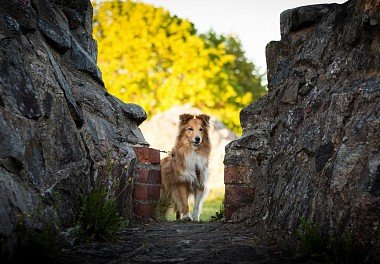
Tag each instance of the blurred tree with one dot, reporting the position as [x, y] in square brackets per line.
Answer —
[242, 73]
[156, 60]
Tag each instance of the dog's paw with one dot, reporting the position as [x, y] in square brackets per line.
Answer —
[187, 217]
[195, 217]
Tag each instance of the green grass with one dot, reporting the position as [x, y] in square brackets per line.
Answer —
[99, 217]
[211, 207]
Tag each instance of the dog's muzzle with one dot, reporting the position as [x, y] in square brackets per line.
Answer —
[197, 140]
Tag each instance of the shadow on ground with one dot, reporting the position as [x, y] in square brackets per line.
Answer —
[178, 242]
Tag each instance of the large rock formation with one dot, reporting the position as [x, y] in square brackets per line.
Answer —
[311, 147]
[59, 129]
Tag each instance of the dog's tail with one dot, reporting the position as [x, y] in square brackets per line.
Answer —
[162, 208]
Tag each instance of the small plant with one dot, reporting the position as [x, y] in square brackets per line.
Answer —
[310, 239]
[162, 209]
[99, 217]
[219, 214]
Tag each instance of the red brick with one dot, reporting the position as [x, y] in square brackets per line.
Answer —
[235, 174]
[147, 155]
[146, 192]
[237, 196]
[144, 175]
[144, 211]
[229, 210]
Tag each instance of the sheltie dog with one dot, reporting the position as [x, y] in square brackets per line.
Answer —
[185, 172]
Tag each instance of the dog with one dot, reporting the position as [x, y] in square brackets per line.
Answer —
[185, 172]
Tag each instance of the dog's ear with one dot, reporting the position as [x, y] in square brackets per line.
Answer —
[205, 119]
[184, 118]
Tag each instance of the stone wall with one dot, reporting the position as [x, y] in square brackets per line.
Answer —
[60, 131]
[311, 147]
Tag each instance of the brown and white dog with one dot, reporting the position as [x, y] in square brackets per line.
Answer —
[185, 173]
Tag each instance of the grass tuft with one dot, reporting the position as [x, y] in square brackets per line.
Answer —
[99, 218]
[162, 209]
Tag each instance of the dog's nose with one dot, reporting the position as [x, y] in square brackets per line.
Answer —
[197, 139]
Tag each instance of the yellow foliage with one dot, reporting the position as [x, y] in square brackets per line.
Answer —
[156, 60]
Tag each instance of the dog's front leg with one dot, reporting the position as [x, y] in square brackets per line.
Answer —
[183, 195]
[199, 196]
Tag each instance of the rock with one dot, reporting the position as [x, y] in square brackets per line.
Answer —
[82, 61]
[323, 154]
[290, 93]
[311, 145]
[302, 17]
[134, 112]
[73, 17]
[81, 6]
[18, 90]
[52, 24]
[22, 12]
[75, 111]
[273, 54]
[59, 130]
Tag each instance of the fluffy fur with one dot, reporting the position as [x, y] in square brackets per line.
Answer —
[185, 173]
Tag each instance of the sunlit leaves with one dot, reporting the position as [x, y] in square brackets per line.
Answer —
[157, 60]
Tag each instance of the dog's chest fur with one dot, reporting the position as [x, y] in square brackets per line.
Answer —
[194, 164]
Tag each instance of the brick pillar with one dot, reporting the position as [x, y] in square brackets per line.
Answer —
[146, 182]
[239, 192]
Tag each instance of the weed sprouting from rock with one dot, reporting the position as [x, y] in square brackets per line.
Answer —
[99, 217]
[310, 240]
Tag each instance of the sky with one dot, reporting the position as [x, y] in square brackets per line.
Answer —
[255, 22]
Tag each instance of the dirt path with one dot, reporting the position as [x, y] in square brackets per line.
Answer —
[176, 242]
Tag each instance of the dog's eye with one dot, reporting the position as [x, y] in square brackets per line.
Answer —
[201, 129]
[190, 129]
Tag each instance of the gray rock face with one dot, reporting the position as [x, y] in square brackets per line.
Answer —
[312, 144]
[58, 126]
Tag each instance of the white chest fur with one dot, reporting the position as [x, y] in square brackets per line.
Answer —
[195, 164]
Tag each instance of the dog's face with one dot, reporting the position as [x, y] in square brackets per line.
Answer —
[194, 128]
